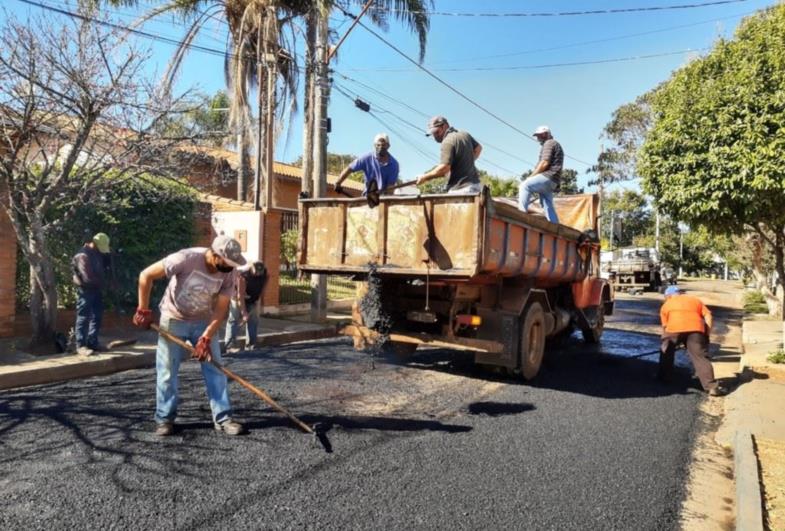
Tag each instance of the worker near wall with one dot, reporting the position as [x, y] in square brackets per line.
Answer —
[687, 321]
[89, 266]
[244, 309]
[458, 152]
[545, 177]
[378, 166]
[194, 306]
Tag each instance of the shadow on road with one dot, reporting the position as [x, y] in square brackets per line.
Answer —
[498, 409]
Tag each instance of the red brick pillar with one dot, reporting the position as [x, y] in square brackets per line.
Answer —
[7, 277]
[272, 257]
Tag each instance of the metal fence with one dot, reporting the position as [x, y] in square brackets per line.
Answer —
[294, 290]
[289, 221]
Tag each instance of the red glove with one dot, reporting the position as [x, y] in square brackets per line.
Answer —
[202, 351]
[143, 318]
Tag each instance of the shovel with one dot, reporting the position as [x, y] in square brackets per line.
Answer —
[373, 195]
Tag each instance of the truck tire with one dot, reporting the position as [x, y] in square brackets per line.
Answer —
[532, 341]
[596, 317]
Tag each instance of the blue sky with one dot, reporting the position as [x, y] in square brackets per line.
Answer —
[575, 101]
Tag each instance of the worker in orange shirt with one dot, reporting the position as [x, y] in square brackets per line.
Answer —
[687, 321]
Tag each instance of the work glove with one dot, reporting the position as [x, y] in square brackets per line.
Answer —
[143, 318]
[202, 351]
[338, 189]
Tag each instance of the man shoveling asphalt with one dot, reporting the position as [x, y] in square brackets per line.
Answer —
[686, 320]
[193, 308]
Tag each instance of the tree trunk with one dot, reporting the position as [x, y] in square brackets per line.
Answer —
[310, 34]
[43, 298]
[779, 261]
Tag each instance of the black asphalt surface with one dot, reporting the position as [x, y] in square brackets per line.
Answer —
[595, 443]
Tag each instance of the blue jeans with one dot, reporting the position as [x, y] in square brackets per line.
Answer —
[234, 320]
[542, 186]
[167, 364]
[89, 310]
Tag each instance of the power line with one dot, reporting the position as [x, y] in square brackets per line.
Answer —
[565, 13]
[537, 67]
[594, 41]
[419, 129]
[450, 87]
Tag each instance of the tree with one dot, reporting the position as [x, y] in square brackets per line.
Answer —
[714, 154]
[206, 121]
[569, 183]
[76, 116]
[629, 210]
[626, 132]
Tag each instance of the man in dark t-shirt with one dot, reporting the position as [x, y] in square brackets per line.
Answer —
[244, 309]
[459, 150]
[545, 177]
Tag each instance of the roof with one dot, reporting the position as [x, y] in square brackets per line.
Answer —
[224, 204]
[281, 169]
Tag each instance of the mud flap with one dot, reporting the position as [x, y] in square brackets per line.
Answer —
[499, 326]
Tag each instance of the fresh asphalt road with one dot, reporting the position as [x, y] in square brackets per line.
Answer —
[595, 443]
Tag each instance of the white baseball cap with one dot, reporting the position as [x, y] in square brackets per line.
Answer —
[541, 130]
[381, 136]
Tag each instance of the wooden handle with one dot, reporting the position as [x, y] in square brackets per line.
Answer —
[245, 383]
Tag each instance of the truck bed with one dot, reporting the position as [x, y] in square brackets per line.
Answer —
[461, 237]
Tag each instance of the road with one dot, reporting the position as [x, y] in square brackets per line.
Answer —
[595, 443]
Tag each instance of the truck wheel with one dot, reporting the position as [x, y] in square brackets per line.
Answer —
[532, 341]
[596, 317]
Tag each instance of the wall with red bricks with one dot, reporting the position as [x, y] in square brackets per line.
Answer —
[7, 277]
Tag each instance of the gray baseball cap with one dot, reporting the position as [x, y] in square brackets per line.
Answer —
[434, 123]
[228, 249]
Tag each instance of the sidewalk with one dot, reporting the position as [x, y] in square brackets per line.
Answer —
[20, 369]
[754, 418]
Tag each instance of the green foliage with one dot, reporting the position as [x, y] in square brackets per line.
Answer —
[336, 162]
[569, 183]
[631, 213]
[207, 120]
[714, 154]
[146, 219]
[755, 302]
[289, 248]
[626, 132]
[778, 356]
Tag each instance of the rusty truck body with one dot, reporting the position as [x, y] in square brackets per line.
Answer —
[468, 272]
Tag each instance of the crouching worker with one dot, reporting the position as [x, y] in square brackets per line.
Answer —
[193, 308]
[687, 321]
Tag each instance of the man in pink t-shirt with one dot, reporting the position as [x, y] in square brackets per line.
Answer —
[194, 305]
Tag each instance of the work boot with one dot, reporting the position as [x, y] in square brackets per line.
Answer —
[98, 347]
[718, 390]
[229, 427]
[164, 429]
[84, 351]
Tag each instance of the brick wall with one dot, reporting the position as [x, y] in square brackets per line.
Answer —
[7, 277]
[272, 257]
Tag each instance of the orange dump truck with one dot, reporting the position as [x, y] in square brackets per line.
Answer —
[468, 272]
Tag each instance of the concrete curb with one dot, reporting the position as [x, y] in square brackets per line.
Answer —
[749, 503]
[64, 368]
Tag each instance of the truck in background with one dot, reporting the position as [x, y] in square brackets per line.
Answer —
[636, 269]
[467, 272]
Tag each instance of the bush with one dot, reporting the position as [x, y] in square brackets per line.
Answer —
[145, 218]
[778, 356]
[755, 302]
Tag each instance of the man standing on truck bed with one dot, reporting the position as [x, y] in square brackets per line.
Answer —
[545, 177]
[686, 320]
[458, 153]
[378, 166]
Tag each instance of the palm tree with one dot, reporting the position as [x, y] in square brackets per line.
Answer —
[266, 28]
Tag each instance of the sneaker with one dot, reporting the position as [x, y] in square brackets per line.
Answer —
[164, 429]
[84, 351]
[98, 347]
[718, 390]
[229, 427]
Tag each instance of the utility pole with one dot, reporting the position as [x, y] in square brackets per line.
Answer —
[271, 59]
[242, 174]
[257, 184]
[321, 98]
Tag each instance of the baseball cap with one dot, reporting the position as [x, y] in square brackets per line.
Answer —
[381, 136]
[101, 240]
[228, 249]
[541, 130]
[434, 123]
[673, 290]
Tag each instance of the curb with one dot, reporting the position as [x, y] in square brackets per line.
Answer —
[62, 369]
[749, 503]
